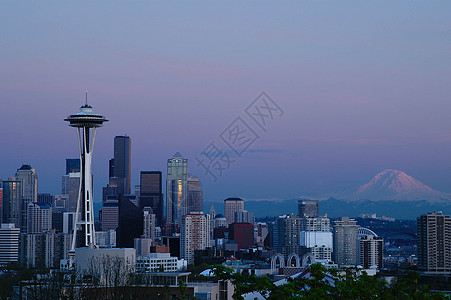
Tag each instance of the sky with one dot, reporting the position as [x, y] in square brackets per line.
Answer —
[363, 86]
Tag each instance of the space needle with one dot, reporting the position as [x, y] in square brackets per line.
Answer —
[86, 122]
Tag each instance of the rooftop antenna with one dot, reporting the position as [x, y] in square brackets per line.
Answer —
[86, 98]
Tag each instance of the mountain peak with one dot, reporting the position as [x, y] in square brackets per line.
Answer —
[397, 185]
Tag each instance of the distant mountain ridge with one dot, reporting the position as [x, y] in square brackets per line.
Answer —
[397, 185]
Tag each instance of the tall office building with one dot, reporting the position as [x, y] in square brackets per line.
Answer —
[29, 185]
[244, 216]
[72, 165]
[231, 206]
[242, 234]
[149, 224]
[110, 213]
[39, 217]
[12, 201]
[130, 222]
[308, 208]
[195, 195]
[195, 235]
[122, 162]
[176, 191]
[345, 241]
[151, 193]
[9, 243]
[434, 243]
[71, 187]
[46, 198]
[287, 235]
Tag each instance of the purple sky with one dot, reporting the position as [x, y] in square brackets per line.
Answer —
[364, 86]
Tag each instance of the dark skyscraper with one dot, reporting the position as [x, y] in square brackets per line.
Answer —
[195, 195]
[12, 209]
[111, 168]
[72, 165]
[122, 161]
[151, 193]
[308, 208]
[130, 223]
[176, 191]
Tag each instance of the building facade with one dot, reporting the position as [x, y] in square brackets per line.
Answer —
[231, 206]
[345, 241]
[308, 208]
[176, 191]
[434, 243]
[195, 235]
[151, 193]
[9, 243]
[122, 162]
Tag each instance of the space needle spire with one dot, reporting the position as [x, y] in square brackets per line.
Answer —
[86, 122]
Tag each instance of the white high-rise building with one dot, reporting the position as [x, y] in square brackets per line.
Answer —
[195, 235]
[316, 237]
[39, 217]
[9, 243]
[231, 206]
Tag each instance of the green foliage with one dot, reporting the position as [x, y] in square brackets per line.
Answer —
[329, 284]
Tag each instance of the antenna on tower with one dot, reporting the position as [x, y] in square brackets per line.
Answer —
[86, 98]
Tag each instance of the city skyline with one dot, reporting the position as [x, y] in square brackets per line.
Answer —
[378, 101]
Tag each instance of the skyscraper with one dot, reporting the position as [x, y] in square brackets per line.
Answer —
[149, 224]
[195, 234]
[316, 237]
[308, 208]
[370, 251]
[131, 223]
[231, 206]
[434, 243]
[122, 162]
[71, 188]
[151, 193]
[345, 241]
[39, 217]
[86, 122]
[176, 191]
[29, 185]
[195, 195]
[12, 200]
[72, 165]
[9, 243]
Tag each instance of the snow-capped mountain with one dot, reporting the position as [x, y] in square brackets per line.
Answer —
[397, 185]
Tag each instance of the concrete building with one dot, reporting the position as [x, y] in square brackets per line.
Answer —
[195, 235]
[9, 243]
[149, 220]
[242, 234]
[110, 213]
[160, 262]
[370, 251]
[106, 239]
[39, 216]
[434, 243]
[231, 206]
[286, 235]
[345, 241]
[244, 216]
[87, 257]
[70, 187]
